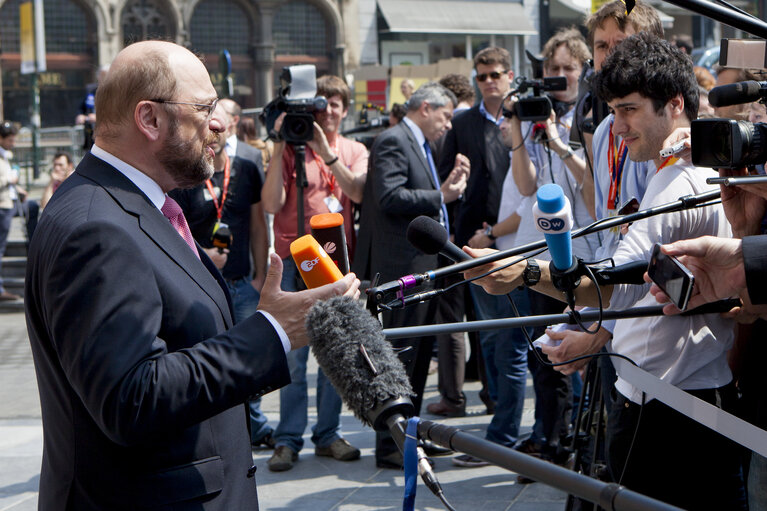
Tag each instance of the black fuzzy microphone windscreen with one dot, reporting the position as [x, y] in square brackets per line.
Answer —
[426, 234]
[337, 328]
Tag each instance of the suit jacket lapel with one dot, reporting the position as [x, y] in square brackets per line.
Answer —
[416, 148]
[154, 224]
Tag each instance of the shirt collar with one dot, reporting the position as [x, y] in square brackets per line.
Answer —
[231, 146]
[419, 136]
[144, 183]
[488, 115]
[4, 154]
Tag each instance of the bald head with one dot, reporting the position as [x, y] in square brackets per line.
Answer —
[142, 71]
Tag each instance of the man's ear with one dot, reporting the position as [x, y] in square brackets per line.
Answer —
[148, 119]
[677, 105]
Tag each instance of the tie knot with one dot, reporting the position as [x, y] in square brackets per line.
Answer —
[170, 209]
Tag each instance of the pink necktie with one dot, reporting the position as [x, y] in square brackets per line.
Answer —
[173, 213]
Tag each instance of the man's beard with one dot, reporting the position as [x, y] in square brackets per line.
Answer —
[178, 157]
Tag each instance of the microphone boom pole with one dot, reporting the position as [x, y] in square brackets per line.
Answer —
[609, 496]
[680, 204]
[548, 319]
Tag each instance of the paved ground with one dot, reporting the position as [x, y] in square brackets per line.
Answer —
[315, 484]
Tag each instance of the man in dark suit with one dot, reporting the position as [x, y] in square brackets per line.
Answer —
[476, 133]
[142, 376]
[402, 184]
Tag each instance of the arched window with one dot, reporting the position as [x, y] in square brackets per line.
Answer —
[218, 25]
[71, 56]
[300, 29]
[67, 28]
[146, 19]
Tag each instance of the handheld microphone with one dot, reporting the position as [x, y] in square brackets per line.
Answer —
[554, 218]
[350, 347]
[316, 268]
[737, 93]
[328, 230]
[430, 237]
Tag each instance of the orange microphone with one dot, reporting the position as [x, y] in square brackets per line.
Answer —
[328, 230]
[314, 264]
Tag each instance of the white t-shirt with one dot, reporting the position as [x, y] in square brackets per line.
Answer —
[688, 352]
[511, 200]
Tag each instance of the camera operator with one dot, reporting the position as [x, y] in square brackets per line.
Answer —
[336, 168]
[541, 155]
[652, 90]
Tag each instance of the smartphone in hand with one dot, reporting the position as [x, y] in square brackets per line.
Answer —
[671, 276]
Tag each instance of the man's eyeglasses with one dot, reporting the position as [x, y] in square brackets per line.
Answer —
[208, 109]
[494, 75]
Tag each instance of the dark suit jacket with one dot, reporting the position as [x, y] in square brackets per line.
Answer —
[399, 187]
[142, 376]
[479, 139]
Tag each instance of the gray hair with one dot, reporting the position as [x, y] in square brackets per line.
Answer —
[434, 94]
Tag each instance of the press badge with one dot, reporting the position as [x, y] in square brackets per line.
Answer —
[333, 204]
[206, 194]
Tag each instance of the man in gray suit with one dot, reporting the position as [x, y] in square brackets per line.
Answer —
[142, 375]
[402, 184]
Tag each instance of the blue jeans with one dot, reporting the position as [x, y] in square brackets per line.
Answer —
[294, 399]
[245, 302]
[505, 354]
[6, 215]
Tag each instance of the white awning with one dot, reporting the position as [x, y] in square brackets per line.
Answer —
[455, 17]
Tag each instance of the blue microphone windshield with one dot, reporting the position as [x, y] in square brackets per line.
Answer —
[553, 218]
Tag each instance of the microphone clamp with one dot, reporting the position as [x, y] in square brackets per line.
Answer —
[569, 279]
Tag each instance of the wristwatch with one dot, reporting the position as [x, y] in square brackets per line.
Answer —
[532, 274]
[489, 232]
[568, 154]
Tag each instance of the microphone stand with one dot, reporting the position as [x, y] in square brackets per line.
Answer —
[378, 293]
[609, 496]
[736, 19]
[549, 319]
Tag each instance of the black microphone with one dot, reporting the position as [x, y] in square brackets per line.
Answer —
[629, 273]
[350, 347]
[430, 237]
[737, 93]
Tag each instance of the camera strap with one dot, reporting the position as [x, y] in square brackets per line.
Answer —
[224, 188]
[615, 162]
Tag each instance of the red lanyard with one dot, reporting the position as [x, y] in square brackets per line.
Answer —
[325, 172]
[224, 188]
[615, 162]
[668, 161]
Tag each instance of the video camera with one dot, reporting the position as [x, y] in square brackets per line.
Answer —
[298, 99]
[536, 107]
[727, 143]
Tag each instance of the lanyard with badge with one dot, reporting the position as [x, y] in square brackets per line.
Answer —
[331, 201]
[616, 160]
[220, 228]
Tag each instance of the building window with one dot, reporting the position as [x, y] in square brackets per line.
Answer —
[220, 24]
[145, 19]
[66, 27]
[300, 29]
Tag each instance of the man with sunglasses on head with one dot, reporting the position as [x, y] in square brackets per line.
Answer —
[476, 134]
[143, 395]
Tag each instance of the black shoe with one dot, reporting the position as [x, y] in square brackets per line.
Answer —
[266, 442]
[432, 449]
[395, 460]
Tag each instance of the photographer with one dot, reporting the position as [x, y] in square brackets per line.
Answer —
[336, 168]
[541, 155]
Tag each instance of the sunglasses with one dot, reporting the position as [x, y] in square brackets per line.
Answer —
[494, 75]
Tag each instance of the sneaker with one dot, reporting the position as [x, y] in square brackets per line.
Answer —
[465, 460]
[283, 459]
[340, 450]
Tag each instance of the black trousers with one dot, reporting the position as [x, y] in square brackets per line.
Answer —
[553, 390]
[674, 458]
[415, 357]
